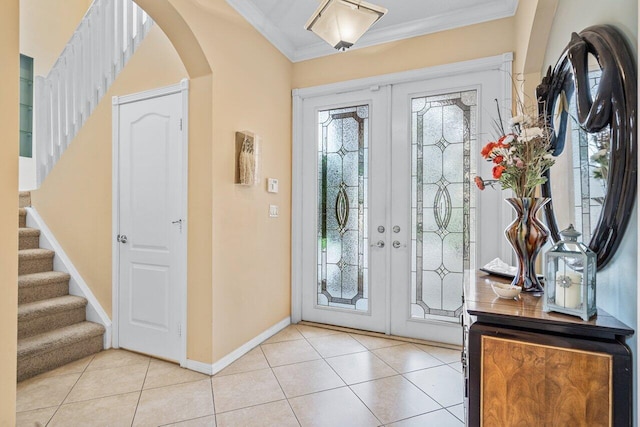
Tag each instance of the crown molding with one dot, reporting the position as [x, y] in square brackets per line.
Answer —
[496, 9]
[268, 29]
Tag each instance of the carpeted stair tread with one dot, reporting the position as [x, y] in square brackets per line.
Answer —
[29, 238]
[50, 306]
[35, 260]
[52, 340]
[27, 231]
[35, 253]
[40, 286]
[42, 278]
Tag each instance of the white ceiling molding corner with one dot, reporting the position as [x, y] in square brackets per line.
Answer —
[268, 29]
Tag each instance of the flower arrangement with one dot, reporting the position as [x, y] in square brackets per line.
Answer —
[520, 157]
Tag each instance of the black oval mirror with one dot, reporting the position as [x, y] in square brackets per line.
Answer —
[589, 100]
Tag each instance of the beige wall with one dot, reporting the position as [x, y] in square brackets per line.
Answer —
[250, 251]
[45, 28]
[9, 72]
[462, 44]
[239, 285]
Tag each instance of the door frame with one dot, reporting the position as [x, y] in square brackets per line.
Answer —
[180, 88]
[502, 62]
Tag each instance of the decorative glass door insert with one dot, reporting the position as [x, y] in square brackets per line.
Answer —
[342, 208]
[443, 128]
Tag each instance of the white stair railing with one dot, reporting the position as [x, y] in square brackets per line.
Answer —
[106, 38]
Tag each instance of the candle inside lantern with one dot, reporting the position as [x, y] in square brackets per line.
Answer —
[568, 289]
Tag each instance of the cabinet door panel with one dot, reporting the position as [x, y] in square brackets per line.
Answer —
[524, 383]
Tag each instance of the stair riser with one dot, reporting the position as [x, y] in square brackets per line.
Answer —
[38, 363]
[29, 242]
[46, 323]
[24, 200]
[22, 221]
[35, 265]
[39, 293]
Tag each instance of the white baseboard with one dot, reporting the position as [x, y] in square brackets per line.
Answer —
[203, 368]
[211, 369]
[77, 285]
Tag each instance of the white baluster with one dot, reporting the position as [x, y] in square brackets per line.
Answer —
[119, 30]
[109, 40]
[62, 100]
[128, 34]
[104, 41]
[139, 28]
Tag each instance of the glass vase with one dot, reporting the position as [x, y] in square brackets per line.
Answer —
[527, 234]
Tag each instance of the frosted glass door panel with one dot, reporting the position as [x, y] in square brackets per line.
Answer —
[342, 207]
[442, 130]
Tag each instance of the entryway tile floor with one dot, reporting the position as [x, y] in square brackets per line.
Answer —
[302, 376]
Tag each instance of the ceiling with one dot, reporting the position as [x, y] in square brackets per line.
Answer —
[282, 21]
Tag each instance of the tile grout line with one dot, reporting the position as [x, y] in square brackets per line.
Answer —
[140, 395]
[354, 393]
[71, 389]
[213, 401]
[286, 398]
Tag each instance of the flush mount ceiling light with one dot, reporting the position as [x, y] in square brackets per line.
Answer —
[342, 22]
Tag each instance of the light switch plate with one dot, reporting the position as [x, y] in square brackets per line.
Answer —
[273, 211]
[272, 185]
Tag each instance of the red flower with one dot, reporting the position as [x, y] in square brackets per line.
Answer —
[486, 150]
[479, 182]
[497, 171]
[498, 159]
[501, 140]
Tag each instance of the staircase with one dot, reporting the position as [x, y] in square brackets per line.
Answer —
[52, 326]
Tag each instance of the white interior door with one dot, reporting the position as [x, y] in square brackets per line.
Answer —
[152, 228]
[344, 206]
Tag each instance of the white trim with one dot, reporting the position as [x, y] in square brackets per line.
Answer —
[77, 285]
[296, 213]
[115, 217]
[249, 345]
[497, 9]
[265, 26]
[183, 89]
[211, 369]
[463, 67]
[203, 368]
[506, 213]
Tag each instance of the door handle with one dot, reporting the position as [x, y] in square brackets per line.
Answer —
[121, 238]
[397, 244]
[378, 244]
[179, 222]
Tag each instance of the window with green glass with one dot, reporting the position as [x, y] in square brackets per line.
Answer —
[26, 105]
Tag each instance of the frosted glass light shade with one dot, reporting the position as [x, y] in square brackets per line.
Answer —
[342, 22]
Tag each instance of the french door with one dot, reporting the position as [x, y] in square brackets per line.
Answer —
[345, 258]
[390, 221]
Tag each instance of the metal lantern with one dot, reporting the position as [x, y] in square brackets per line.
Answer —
[570, 277]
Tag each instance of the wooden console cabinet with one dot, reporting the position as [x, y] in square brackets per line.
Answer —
[524, 367]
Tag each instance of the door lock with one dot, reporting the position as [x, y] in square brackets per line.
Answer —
[396, 228]
[122, 238]
[381, 229]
